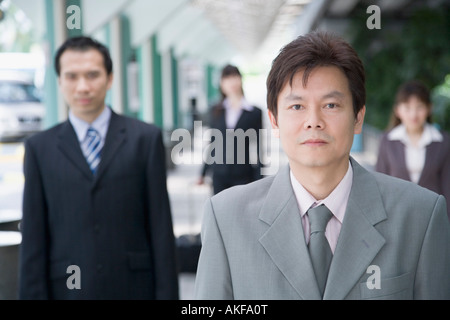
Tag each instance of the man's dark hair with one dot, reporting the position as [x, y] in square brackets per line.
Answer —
[316, 49]
[83, 43]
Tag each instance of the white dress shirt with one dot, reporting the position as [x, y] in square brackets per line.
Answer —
[232, 115]
[415, 154]
[100, 124]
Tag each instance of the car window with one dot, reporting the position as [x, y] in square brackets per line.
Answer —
[12, 92]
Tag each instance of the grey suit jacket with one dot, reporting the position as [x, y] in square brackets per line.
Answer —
[394, 243]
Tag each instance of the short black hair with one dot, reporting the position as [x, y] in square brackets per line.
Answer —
[83, 43]
[316, 49]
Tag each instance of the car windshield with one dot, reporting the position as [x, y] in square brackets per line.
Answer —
[12, 92]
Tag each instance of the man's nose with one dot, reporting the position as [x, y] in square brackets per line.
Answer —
[314, 118]
[82, 85]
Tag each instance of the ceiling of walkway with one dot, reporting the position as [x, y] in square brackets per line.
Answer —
[217, 29]
[246, 24]
[249, 24]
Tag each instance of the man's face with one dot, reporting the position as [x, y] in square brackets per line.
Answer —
[316, 123]
[84, 82]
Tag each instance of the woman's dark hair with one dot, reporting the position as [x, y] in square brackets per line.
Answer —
[316, 49]
[83, 43]
[227, 71]
[412, 88]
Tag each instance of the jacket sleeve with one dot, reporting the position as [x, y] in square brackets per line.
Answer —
[213, 277]
[257, 168]
[160, 222]
[445, 176]
[33, 255]
[382, 164]
[432, 276]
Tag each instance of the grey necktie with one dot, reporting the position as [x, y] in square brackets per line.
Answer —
[319, 249]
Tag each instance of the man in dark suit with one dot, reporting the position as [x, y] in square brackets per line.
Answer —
[96, 217]
[238, 124]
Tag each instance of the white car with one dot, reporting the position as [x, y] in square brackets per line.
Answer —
[21, 109]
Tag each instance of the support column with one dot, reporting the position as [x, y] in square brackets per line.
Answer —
[157, 81]
[116, 56]
[167, 105]
[55, 13]
[175, 97]
[144, 58]
[212, 84]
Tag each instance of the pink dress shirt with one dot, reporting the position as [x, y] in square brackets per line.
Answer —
[336, 203]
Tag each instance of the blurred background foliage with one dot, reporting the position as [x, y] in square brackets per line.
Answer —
[415, 45]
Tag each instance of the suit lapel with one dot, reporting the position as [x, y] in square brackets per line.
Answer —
[284, 240]
[359, 242]
[242, 119]
[114, 138]
[432, 150]
[399, 151]
[70, 147]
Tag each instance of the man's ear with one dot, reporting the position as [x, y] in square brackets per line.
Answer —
[274, 123]
[359, 120]
[110, 80]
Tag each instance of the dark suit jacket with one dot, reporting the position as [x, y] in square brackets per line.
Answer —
[436, 171]
[247, 120]
[116, 227]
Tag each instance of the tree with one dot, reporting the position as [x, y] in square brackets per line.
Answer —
[410, 45]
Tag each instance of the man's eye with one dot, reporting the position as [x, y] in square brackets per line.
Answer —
[297, 106]
[92, 75]
[331, 105]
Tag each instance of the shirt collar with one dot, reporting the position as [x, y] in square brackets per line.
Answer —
[100, 124]
[245, 105]
[336, 202]
[430, 134]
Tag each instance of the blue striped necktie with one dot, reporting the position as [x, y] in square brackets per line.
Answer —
[91, 147]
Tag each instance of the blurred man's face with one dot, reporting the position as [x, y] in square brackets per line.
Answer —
[84, 82]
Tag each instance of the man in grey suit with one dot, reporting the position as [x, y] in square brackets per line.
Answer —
[386, 238]
[96, 217]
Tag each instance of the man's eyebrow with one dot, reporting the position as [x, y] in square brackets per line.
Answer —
[292, 97]
[334, 94]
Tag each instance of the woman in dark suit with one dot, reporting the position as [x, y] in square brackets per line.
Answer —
[231, 113]
[413, 148]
